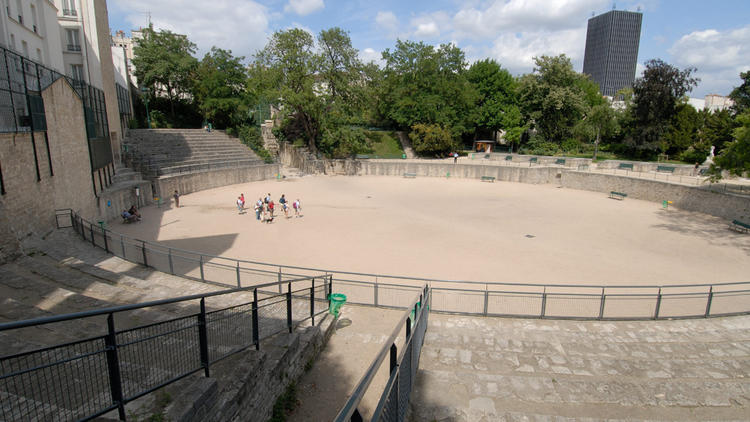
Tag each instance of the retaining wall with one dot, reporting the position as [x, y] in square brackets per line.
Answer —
[690, 198]
[194, 182]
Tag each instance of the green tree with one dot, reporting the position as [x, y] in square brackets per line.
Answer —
[164, 64]
[656, 96]
[600, 121]
[717, 129]
[554, 97]
[424, 85]
[736, 156]
[683, 130]
[432, 139]
[741, 94]
[220, 87]
[287, 67]
[496, 100]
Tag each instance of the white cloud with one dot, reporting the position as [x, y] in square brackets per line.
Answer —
[238, 26]
[430, 25]
[304, 7]
[516, 51]
[718, 56]
[526, 16]
[387, 22]
[370, 55]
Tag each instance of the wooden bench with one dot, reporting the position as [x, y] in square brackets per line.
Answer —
[488, 179]
[560, 161]
[739, 226]
[508, 158]
[410, 175]
[618, 195]
[665, 169]
[625, 166]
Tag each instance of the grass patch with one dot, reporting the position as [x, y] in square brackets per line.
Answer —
[285, 404]
[384, 143]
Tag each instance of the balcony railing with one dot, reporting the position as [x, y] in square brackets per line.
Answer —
[74, 47]
[70, 12]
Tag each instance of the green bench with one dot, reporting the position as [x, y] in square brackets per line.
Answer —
[703, 171]
[560, 161]
[625, 166]
[410, 175]
[508, 158]
[618, 195]
[362, 156]
[665, 169]
[533, 160]
[739, 226]
[488, 179]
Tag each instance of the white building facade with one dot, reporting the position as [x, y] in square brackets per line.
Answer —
[29, 28]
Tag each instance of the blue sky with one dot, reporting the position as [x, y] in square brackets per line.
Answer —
[713, 36]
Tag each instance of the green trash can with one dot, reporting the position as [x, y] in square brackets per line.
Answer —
[337, 300]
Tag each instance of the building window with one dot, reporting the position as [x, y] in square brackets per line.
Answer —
[20, 11]
[73, 40]
[69, 8]
[33, 19]
[76, 71]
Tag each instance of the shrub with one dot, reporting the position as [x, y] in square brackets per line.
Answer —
[250, 136]
[432, 140]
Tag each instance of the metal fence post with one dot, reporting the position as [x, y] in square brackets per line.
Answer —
[708, 303]
[143, 252]
[106, 243]
[601, 304]
[238, 274]
[91, 230]
[375, 292]
[201, 265]
[393, 365]
[171, 266]
[312, 303]
[122, 245]
[658, 304]
[113, 366]
[544, 302]
[280, 280]
[203, 337]
[289, 306]
[83, 231]
[256, 335]
[486, 299]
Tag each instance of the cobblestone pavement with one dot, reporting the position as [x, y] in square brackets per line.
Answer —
[496, 369]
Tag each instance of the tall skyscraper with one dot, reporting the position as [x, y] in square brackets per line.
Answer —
[612, 49]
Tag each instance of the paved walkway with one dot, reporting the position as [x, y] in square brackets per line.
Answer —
[494, 369]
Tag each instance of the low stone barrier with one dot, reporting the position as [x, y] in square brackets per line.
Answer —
[198, 181]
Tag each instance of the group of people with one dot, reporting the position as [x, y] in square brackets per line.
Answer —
[265, 207]
[131, 215]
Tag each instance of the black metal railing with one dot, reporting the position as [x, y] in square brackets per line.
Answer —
[526, 300]
[74, 47]
[88, 377]
[402, 369]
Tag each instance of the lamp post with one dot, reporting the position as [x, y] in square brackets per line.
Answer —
[144, 90]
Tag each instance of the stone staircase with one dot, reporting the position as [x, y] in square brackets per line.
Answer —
[63, 274]
[158, 152]
[495, 369]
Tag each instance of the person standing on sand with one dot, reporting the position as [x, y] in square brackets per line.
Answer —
[240, 205]
[258, 208]
[297, 205]
[284, 207]
[176, 199]
[270, 207]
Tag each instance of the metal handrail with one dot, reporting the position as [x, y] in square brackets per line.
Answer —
[349, 409]
[421, 279]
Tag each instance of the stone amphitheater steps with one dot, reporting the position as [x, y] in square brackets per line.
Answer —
[475, 369]
[167, 151]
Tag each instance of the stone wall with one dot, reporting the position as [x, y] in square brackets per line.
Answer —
[112, 202]
[690, 198]
[194, 182]
[29, 204]
[247, 385]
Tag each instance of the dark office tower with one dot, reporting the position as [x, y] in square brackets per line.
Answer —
[612, 50]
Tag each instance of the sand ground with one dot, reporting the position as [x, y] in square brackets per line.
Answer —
[456, 229]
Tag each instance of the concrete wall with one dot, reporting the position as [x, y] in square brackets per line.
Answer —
[28, 205]
[690, 198]
[111, 202]
[194, 182]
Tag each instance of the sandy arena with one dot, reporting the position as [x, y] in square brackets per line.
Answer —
[456, 229]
